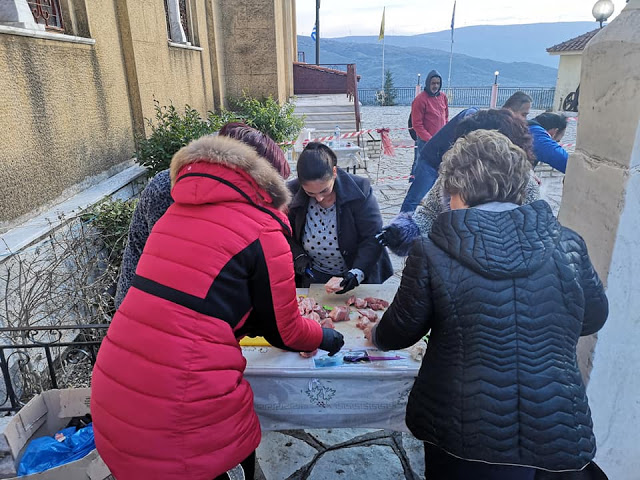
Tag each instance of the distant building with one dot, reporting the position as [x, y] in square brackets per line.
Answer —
[570, 53]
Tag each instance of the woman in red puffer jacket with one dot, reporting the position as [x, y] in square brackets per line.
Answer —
[169, 400]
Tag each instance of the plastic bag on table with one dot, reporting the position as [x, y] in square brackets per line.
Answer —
[46, 452]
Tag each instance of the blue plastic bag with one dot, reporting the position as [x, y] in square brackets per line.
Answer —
[46, 452]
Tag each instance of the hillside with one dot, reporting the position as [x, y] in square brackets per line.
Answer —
[406, 63]
[506, 43]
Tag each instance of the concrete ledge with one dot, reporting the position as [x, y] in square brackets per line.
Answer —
[39, 226]
[185, 46]
[59, 37]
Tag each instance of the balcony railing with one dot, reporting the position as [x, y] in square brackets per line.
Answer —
[466, 96]
[35, 359]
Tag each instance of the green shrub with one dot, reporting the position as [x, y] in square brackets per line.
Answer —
[268, 116]
[170, 132]
[112, 218]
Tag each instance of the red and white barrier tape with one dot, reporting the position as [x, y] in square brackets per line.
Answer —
[344, 135]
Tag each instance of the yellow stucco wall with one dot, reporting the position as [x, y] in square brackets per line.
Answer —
[169, 74]
[64, 116]
[71, 110]
[568, 79]
[254, 48]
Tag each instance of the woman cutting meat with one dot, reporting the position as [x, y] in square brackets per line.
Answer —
[334, 219]
[168, 396]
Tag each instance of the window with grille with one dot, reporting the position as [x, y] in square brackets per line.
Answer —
[47, 13]
[179, 10]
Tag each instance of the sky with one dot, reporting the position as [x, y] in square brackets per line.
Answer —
[339, 18]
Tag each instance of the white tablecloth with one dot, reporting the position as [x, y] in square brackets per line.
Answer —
[291, 392]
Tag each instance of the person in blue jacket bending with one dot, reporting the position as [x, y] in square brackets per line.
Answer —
[547, 129]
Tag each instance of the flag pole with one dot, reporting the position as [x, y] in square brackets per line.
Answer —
[317, 32]
[381, 37]
[453, 19]
[450, 61]
[382, 63]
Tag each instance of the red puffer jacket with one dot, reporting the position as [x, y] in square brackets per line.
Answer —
[168, 396]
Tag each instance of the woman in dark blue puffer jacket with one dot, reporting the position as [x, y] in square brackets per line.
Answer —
[506, 292]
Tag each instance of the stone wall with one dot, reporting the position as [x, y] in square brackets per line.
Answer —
[600, 201]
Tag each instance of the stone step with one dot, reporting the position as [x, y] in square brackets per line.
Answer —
[348, 116]
[324, 109]
[330, 124]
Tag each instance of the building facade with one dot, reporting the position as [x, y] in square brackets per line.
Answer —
[78, 79]
[569, 65]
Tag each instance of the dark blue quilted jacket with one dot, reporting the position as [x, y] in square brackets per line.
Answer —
[506, 296]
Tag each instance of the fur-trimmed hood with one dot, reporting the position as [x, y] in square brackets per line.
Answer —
[234, 154]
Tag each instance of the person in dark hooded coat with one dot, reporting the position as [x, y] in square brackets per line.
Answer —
[506, 292]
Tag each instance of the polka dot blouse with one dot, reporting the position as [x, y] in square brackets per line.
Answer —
[320, 239]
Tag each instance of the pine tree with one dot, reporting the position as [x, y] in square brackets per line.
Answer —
[389, 97]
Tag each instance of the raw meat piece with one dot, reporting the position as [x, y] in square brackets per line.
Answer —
[370, 314]
[327, 323]
[313, 316]
[376, 303]
[362, 322]
[361, 303]
[333, 285]
[339, 314]
[308, 354]
[351, 300]
[306, 305]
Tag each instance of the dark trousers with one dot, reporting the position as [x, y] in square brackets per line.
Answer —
[439, 465]
[248, 465]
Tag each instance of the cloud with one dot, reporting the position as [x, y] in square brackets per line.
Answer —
[409, 17]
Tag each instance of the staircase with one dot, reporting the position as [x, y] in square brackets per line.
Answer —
[323, 112]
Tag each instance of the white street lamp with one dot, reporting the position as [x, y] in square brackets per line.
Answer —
[602, 10]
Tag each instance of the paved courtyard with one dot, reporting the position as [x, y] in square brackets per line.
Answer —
[354, 454]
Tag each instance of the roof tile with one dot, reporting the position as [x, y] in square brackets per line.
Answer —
[574, 44]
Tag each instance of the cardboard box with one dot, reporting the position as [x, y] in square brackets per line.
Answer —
[44, 415]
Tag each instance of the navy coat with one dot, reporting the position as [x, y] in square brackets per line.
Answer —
[359, 221]
[506, 296]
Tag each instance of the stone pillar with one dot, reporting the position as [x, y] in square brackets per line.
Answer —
[252, 48]
[601, 201]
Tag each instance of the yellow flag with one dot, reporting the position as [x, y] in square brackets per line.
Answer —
[381, 36]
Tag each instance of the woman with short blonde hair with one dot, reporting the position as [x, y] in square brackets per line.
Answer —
[505, 292]
[485, 167]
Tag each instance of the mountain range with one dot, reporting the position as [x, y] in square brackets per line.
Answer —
[518, 52]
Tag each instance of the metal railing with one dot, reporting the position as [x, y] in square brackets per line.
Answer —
[341, 67]
[48, 13]
[466, 96]
[26, 373]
